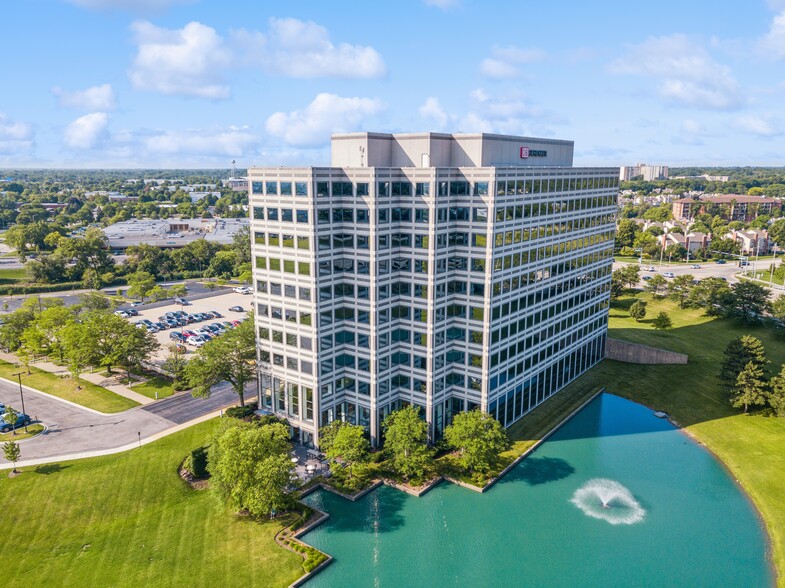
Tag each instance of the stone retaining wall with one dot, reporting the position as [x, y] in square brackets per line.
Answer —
[642, 354]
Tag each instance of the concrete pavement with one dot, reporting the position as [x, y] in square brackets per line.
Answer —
[74, 432]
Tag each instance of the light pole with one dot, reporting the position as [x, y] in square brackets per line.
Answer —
[22, 396]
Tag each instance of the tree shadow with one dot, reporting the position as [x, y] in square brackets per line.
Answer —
[539, 470]
[50, 468]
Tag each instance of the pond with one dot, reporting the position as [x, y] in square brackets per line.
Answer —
[616, 497]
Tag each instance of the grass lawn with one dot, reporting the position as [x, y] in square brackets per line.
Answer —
[160, 384]
[32, 431]
[90, 395]
[12, 276]
[751, 446]
[129, 520]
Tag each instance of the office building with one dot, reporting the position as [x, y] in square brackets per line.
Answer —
[448, 271]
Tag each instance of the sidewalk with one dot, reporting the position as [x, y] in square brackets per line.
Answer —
[113, 383]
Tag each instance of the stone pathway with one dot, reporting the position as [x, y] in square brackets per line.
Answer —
[112, 383]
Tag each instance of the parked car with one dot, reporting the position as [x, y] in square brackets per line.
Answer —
[647, 278]
[651, 268]
[216, 314]
[21, 420]
[2, 408]
[695, 266]
[236, 309]
[175, 336]
[182, 302]
[123, 313]
[132, 312]
[195, 341]
[669, 275]
[137, 303]
[721, 261]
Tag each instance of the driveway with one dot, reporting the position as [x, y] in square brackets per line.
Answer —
[73, 430]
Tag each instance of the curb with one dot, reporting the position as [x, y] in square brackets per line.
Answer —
[33, 437]
[52, 396]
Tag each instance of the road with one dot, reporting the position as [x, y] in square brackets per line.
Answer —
[707, 270]
[73, 430]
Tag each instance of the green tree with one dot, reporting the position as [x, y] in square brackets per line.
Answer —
[175, 363]
[662, 322]
[638, 310]
[140, 284]
[739, 352]
[617, 284]
[345, 442]
[631, 274]
[777, 393]
[626, 232]
[749, 302]
[679, 289]
[777, 232]
[9, 418]
[656, 284]
[406, 440]
[479, 438]
[711, 294]
[230, 357]
[750, 388]
[12, 453]
[250, 468]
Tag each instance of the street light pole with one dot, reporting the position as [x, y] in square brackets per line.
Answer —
[22, 396]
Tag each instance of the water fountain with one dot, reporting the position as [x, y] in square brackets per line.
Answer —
[608, 500]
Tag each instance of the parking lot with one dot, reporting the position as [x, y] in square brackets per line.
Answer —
[219, 303]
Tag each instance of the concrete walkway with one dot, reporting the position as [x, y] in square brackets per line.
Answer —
[112, 383]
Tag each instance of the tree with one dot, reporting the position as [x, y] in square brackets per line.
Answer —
[250, 468]
[679, 289]
[750, 388]
[626, 232]
[406, 439]
[346, 442]
[9, 418]
[175, 363]
[638, 310]
[777, 232]
[231, 358]
[631, 274]
[657, 283]
[662, 322]
[711, 294]
[617, 284]
[479, 438]
[777, 393]
[739, 352]
[749, 302]
[12, 453]
[140, 283]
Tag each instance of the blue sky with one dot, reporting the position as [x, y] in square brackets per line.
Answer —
[197, 83]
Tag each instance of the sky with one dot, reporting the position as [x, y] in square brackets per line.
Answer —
[199, 83]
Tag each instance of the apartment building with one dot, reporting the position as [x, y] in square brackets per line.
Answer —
[448, 271]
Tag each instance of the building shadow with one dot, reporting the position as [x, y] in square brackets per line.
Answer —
[535, 471]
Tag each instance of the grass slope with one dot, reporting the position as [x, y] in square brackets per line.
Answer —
[91, 395]
[160, 384]
[12, 276]
[751, 446]
[129, 520]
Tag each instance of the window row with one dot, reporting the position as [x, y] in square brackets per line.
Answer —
[287, 398]
[275, 188]
[536, 186]
[289, 339]
[278, 289]
[287, 215]
[289, 266]
[290, 363]
[282, 314]
[282, 240]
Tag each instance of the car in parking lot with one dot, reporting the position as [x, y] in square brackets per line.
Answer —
[243, 290]
[668, 275]
[181, 302]
[21, 420]
[175, 336]
[720, 261]
[695, 266]
[651, 268]
[647, 278]
[236, 309]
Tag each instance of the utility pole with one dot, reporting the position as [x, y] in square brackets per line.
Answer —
[22, 396]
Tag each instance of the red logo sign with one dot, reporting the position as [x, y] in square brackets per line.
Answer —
[524, 152]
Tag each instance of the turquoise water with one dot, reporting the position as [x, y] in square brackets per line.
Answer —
[684, 522]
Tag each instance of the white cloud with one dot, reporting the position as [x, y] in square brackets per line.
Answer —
[93, 98]
[327, 114]
[188, 61]
[773, 44]
[131, 5]
[87, 132]
[15, 137]
[232, 141]
[686, 73]
[759, 125]
[443, 4]
[506, 61]
[300, 49]
[432, 110]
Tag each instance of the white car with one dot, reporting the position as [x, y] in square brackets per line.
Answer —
[669, 275]
[243, 290]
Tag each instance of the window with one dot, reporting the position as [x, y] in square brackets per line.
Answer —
[383, 215]
[481, 189]
[286, 215]
[342, 189]
[272, 214]
[256, 187]
[383, 189]
[363, 242]
[302, 243]
[258, 212]
[362, 188]
[258, 238]
[322, 189]
[402, 215]
[272, 187]
[286, 188]
[288, 241]
[303, 268]
[422, 189]
[421, 215]
[362, 215]
[301, 189]
[275, 264]
[302, 216]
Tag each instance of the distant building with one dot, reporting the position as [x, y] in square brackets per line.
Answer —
[649, 172]
[172, 233]
[692, 242]
[706, 177]
[735, 207]
[237, 184]
[751, 241]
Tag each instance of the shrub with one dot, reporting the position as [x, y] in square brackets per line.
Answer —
[241, 412]
[196, 463]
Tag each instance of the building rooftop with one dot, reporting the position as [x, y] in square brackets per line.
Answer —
[728, 198]
[172, 232]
